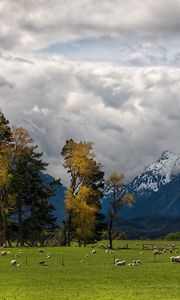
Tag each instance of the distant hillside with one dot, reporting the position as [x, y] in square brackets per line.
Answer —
[58, 199]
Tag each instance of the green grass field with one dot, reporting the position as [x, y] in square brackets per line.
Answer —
[96, 278]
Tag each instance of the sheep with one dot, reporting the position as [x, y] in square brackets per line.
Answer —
[3, 253]
[13, 262]
[40, 251]
[107, 251]
[18, 265]
[93, 251]
[175, 259]
[157, 252]
[48, 256]
[135, 263]
[120, 263]
[116, 260]
[86, 255]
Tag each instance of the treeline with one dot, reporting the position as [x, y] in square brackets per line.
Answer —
[26, 216]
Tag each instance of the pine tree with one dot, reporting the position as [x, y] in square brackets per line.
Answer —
[6, 199]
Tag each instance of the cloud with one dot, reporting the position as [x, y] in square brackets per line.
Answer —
[32, 25]
[131, 114]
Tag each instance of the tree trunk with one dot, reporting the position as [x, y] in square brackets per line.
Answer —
[4, 231]
[69, 229]
[20, 238]
[32, 209]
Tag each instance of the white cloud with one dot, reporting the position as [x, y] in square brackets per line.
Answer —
[131, 114]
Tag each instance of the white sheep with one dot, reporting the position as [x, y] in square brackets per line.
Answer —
[40, 250]
[136, 263]
[107, 251]
[93, 251]
[120, 263]
[175, 259]
[3, 253]
[116, 260]
[157, 252]
[13, 262]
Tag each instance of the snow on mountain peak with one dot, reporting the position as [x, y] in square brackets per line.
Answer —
[157, 174]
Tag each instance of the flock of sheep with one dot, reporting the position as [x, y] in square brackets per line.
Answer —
[117, 262]
[14, 263]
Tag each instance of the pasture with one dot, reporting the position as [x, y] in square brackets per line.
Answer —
[93, 277]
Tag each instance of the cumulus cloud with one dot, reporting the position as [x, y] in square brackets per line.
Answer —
[27, 25]
[131, 114]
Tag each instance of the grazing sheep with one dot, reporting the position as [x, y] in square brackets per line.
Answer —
[93, 251]
[86, 255]
[157, 252]
[40, 251]
[107, 251]
[120, 263]
[13, 262]
[175, 259]
[3, 253]
[116, 260]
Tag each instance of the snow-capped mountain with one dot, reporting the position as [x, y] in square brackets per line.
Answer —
[157, 199]
[158, 174]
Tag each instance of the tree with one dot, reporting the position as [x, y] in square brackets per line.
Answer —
[113, 190]
[34, 195]
[84, 213]
[22, 149]
[6, 199]
[84, 171]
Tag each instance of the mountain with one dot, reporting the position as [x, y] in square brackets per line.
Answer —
[157, 189]
[156, 210]
[57, 200]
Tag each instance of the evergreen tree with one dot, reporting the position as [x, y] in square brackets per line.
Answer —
[6, 199]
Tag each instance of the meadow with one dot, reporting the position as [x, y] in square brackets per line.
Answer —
[96, 277]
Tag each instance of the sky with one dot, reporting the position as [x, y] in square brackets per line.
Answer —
[105, 71]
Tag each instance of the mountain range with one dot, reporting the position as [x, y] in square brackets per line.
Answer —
[156, 210]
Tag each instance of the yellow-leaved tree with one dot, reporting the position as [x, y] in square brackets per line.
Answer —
[86, 182]
[84, 213]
